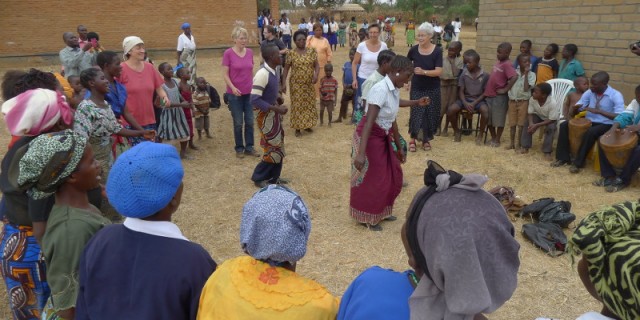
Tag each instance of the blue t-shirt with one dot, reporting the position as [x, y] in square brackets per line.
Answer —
[377, 294]
[116, 97]
[348, 76]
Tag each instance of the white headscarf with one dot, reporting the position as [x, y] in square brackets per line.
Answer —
[129, 42]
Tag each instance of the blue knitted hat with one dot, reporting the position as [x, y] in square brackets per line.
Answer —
[144, 179]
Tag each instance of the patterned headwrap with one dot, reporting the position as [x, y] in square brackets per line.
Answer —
[609, 239]
[35, 111]
[50, 159]
[462, 240]
[275, 226]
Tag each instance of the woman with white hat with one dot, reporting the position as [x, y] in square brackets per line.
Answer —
[141, 80]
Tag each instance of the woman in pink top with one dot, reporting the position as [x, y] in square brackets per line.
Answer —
[141, 80]
[237, 66]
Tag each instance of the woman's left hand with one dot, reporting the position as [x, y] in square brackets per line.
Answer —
[402, 156]
[167, 102]
[418, 71]
[358, 162]
[149, 135]
[424, 101]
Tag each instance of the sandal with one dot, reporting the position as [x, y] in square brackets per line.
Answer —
[412, 146]
[616, 185]
[559, 163]
[603, 182]
[426, 146]
[391, 218]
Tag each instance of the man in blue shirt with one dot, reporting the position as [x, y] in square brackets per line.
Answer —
[602, 104]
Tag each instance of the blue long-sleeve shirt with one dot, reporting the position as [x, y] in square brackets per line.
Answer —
[610, 101]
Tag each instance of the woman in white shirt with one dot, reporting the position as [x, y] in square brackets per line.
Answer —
[367, 57]
[187, 51]
[376, 175]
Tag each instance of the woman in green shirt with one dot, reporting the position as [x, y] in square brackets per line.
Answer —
[62, 163]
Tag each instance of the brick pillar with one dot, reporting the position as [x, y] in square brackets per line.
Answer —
[275, 9]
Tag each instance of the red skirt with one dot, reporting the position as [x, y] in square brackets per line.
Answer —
[376, 187]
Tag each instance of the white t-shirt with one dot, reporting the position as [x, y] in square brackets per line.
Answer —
[456, 25]
[385, 95]
[437, 29]
[325, 28]
[285, 28]
[185, 43]
[368, 59]
[334, 27]
[310, 26]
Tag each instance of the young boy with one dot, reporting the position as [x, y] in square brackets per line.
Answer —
[581, 84]
[548, 65]
[542, 112]
[570, 67]
[472, 84]
[145, 258]
[265, 97]
[451, 68]
[328, 93]
[78, 91]
[525, 48]
[500, 82]
[204, 97]
[184, 74]
[348, 93]
[519, 96]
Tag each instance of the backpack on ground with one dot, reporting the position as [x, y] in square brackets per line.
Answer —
[558, 212]
[546, 236]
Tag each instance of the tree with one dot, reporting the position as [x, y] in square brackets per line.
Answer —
[414, 6]
[369, 5]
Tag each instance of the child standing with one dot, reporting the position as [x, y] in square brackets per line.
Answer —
[328, 93]
[525, 48]
[451, 68]
[570, 67]
[265, 97]
[548, 65]
[204, 97]
[78, 91]
[173, 123]
[500, 82]
[581, 84]
[348, 93]
[62, 163]
[184, 75]
[519, 96]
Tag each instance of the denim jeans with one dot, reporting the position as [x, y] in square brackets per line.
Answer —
[242, 113]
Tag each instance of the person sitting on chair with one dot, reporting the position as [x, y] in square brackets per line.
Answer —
[602, 104]
[628, 120]
[472, 82]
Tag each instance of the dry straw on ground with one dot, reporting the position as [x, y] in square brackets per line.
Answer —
[217, 185]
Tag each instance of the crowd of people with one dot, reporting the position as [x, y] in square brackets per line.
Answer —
[69, 176]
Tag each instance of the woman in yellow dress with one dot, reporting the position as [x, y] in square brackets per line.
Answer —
[264, 284]
[303, 65]
[323, 49]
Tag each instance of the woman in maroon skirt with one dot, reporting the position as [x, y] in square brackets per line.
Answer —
[376, 175]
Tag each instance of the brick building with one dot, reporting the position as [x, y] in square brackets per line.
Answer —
[602, 30]
[35, 27]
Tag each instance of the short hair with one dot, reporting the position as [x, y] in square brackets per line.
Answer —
[601, 76]
[554, 48]
[427, 28]
[105, 57]
[238, 32]
[75, 76]
[268, 50]
[88, 75]
[93, 35]
[299, 32]
[271, 29]
[583, 78]
[385, 56]
[328, 67]
[353, 50]
[571, 48]
[161, 66]
[545, 88]
[35, 79]
[9, 81]
[637, 89]
[472, 54]
[505, 45]
[374, 25]
[401, 63]
[316, 25]
[455, 44]
[521, 56]
[527, 42]
[180, 71]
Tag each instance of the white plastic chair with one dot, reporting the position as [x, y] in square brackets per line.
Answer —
[560, 89]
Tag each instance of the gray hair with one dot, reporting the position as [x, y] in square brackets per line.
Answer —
[427, 28]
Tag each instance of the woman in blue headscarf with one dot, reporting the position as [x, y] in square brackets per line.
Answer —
[187, 51]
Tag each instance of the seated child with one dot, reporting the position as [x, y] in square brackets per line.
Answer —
[548, 65]
[204, 97]
[153, 270]
[63, 163]
[472, 83]
[581, 84]
[328, 93]
[542, 112]
[519, 96]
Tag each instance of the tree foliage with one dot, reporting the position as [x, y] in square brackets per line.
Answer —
[465, 11]
[417, 8]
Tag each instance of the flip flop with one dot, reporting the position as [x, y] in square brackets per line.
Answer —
[426, 146]
[412, 146]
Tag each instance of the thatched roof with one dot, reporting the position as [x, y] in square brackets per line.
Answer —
[353, 7]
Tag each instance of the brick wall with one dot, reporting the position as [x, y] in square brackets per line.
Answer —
[602, 30]
[36, 26]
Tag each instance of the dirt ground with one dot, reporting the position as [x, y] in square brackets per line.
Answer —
[217, 185]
